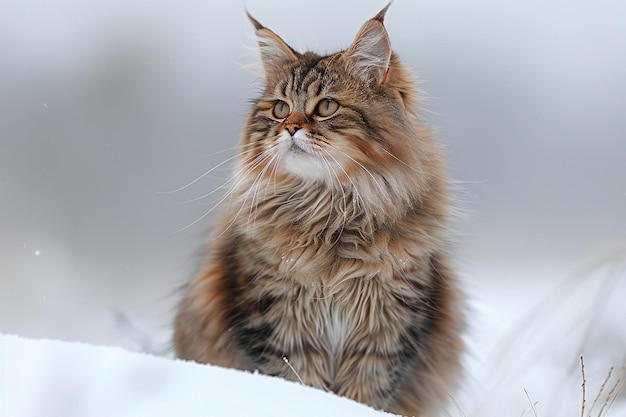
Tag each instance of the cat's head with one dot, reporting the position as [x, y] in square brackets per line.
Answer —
[344, 120]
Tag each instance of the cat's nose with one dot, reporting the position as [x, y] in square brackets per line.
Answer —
[292, 128]
[295, 122]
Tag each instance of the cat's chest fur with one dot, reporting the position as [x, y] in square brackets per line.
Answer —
[324, 238]
[320, 293]
[320, 325]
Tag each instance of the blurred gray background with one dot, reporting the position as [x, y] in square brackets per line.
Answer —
[106, 106]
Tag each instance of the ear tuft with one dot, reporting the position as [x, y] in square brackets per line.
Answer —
[254, 22]
[380, 16]
[370, 52]
[275, 53]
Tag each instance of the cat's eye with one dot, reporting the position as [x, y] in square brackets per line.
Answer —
[327, 107]
[281, 110]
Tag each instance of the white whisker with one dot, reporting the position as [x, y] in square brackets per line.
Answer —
[237, 149]
[270, 158]
[356, 193]
[360, 165]
[237, 180]
[343, 193]
[227, 160]
[399, 160]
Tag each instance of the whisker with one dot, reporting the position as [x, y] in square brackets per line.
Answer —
[355, 189]
[258, 160]
[332, 173]
[236, 182]
[256, 185]
[237, 148]
[227, 160]
[381, 188]
[215, 190]
[412, 168]
[343, 193]
[242, 176]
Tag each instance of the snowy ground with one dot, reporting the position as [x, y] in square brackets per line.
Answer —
[528, 332]
[524, 342]
[52, 378]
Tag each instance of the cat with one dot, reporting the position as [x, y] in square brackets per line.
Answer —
[330, 263]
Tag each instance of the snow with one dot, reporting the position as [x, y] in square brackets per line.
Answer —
[530, 329]
[66, 379]
[519, 353]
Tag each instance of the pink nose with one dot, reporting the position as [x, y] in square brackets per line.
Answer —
[292, 128]
[295, 122]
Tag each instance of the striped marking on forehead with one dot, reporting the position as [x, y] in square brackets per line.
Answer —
[307, 72]
[308, 78]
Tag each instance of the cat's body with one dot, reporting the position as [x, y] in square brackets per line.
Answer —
[332, 250]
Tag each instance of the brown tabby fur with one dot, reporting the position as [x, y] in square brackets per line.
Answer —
[332, 249]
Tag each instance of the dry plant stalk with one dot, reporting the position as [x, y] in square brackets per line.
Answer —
[614, 391]
[532, 405]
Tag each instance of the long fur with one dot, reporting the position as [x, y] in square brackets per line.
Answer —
[332, 248]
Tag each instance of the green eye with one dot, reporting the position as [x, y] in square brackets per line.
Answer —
[327, 107]
[281, 110]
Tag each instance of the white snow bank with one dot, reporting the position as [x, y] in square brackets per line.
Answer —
[52, 378]
[528, 327]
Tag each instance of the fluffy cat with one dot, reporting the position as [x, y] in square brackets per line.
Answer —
[331, 252]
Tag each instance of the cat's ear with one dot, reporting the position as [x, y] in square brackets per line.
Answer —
[275, 53]
[369, 54]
